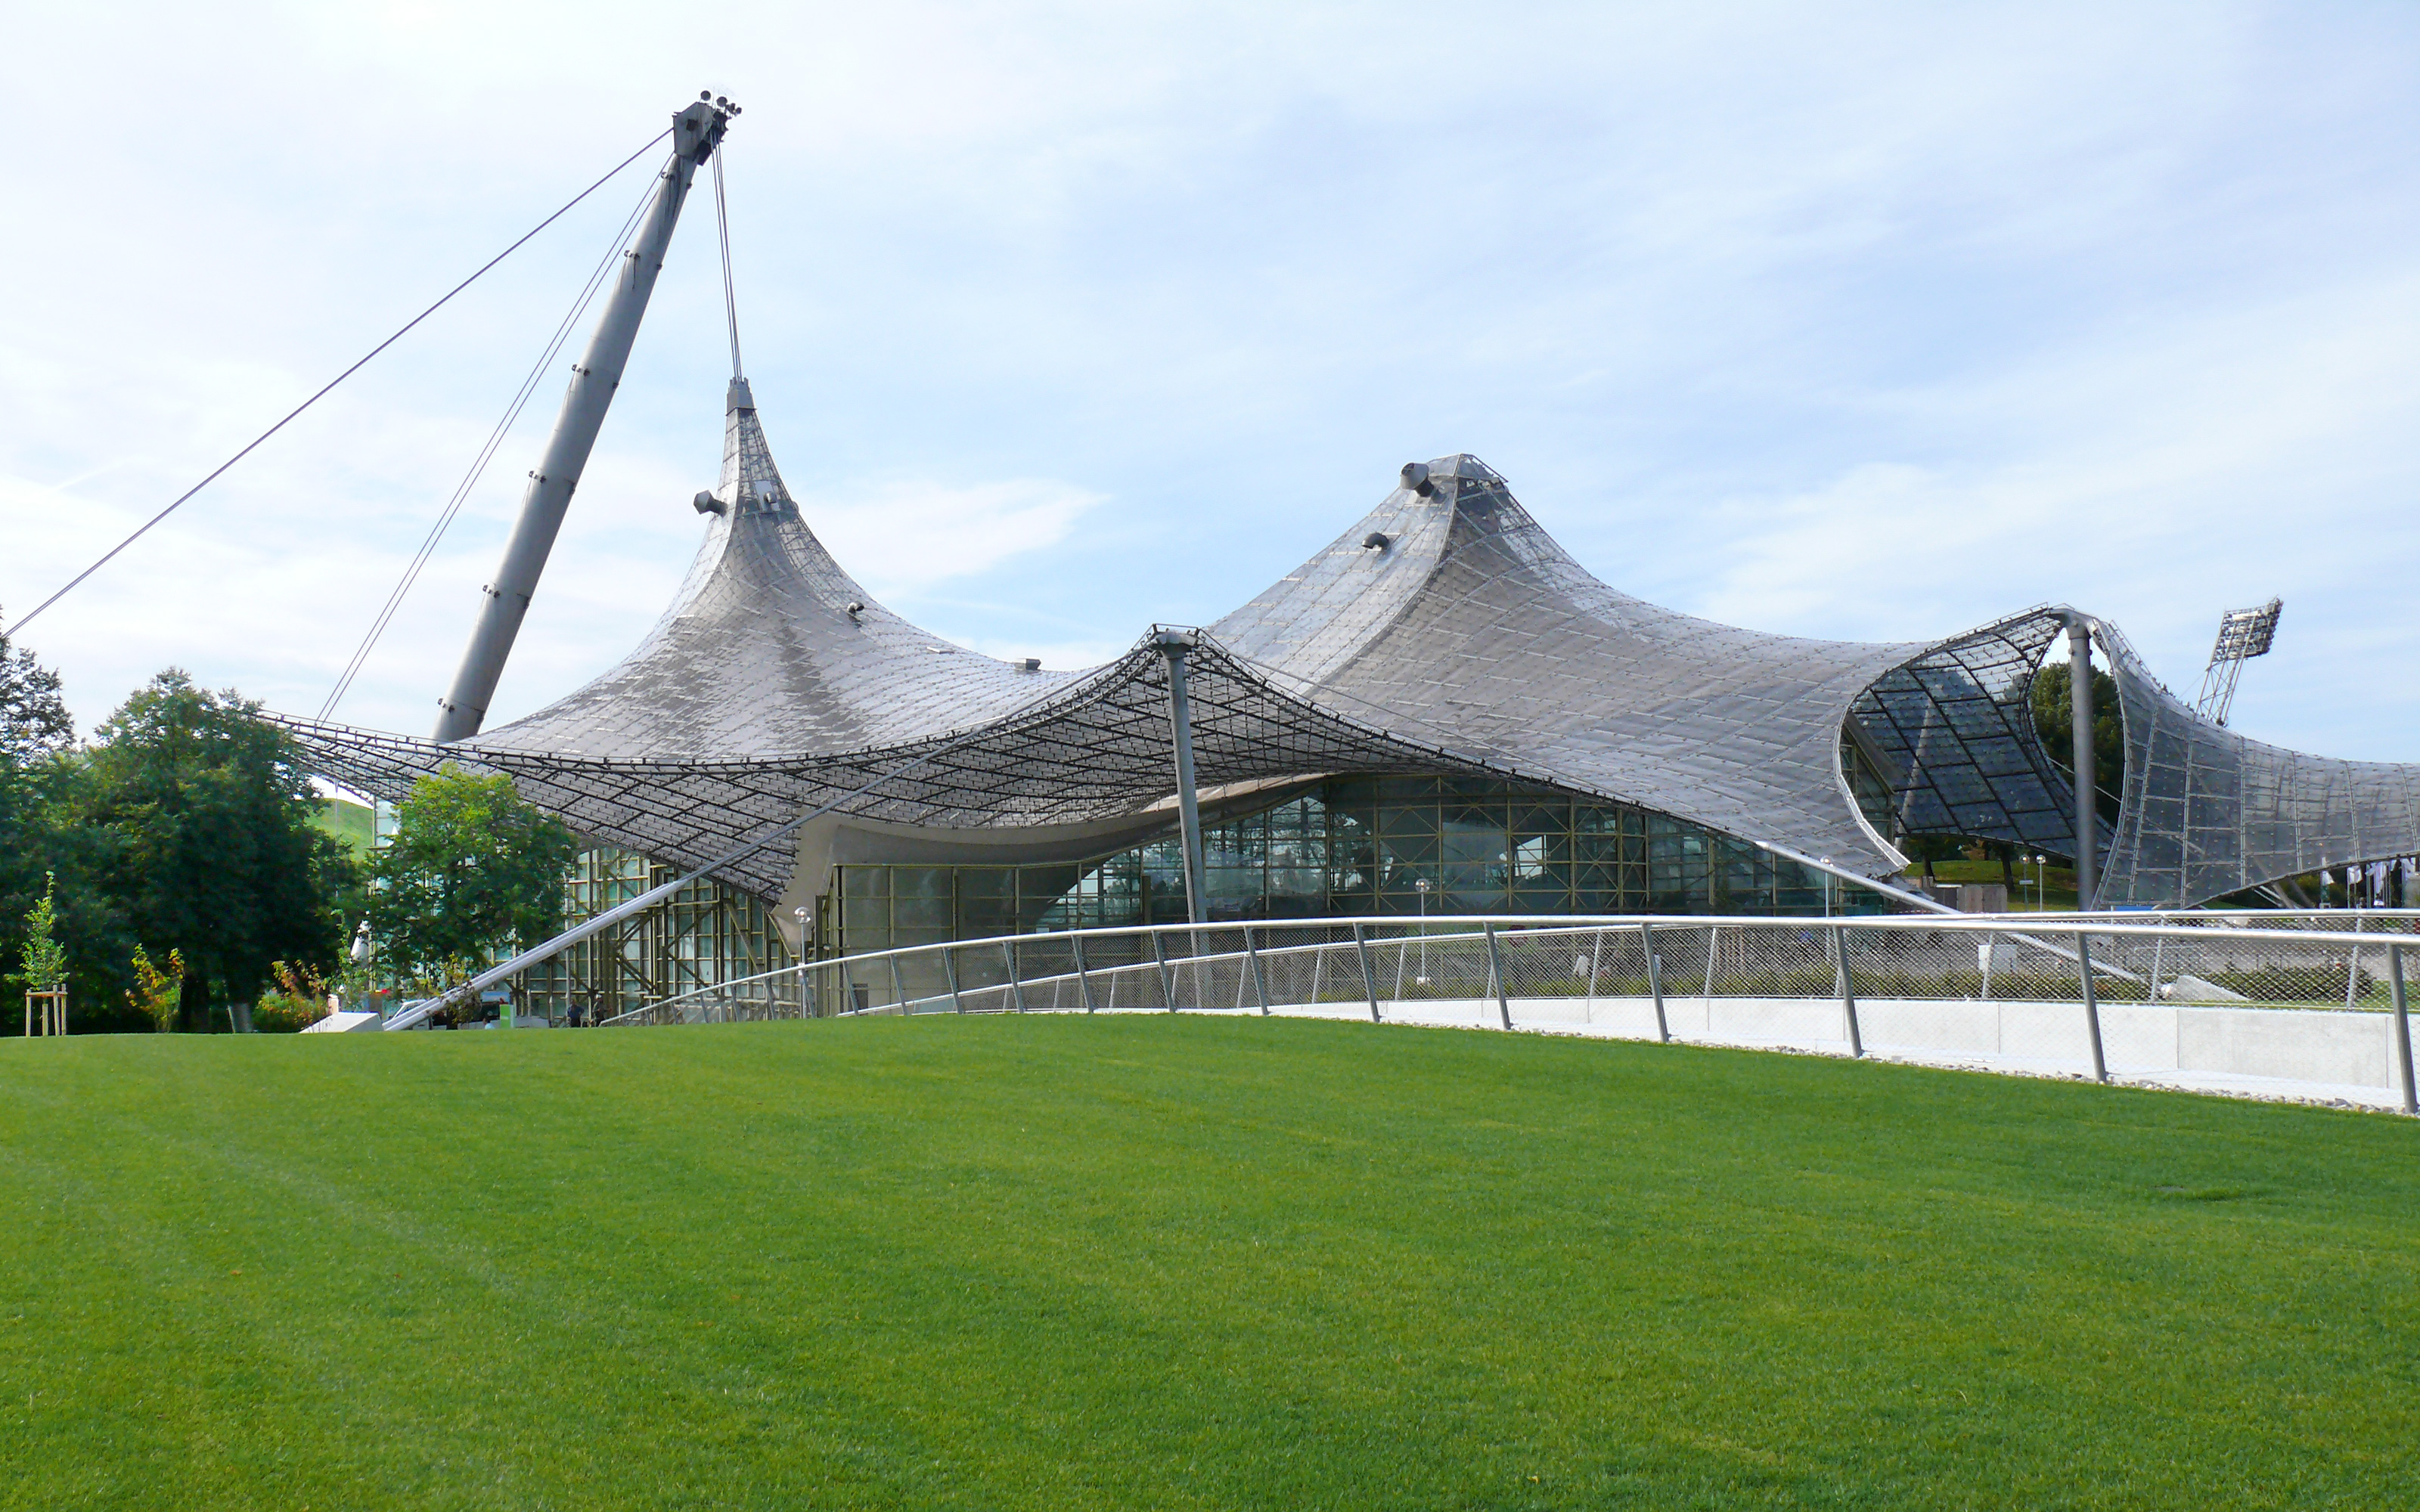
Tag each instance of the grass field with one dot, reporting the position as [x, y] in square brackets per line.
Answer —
[1157, 1262]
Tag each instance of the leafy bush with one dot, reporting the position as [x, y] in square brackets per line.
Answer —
[300, 1001]
[284, 1013]
[158, 994]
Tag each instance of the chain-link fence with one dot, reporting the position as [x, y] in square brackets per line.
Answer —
[2226, 1001]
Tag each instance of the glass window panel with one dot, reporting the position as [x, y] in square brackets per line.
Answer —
[1308, 885]
[861, 913]
[1541, 819]
[1234, 882]
[1298, 851]
[920, 913]
[986, 882]
[1475, 816]
[862, 882]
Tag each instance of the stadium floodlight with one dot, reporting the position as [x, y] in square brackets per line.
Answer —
[2243, 634]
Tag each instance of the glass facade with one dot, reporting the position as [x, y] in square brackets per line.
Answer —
[1352, 846]
[706, 934]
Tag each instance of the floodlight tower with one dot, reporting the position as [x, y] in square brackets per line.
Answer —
[697, 131]
[2243, 634]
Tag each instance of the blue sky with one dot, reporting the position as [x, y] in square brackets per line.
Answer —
[1872, 322]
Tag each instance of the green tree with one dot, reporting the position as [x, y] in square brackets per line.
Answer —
[42, 961]
[34, 720]
[471, 867]
[158, 996]
[2053, 716]
[1929, 848]
[39, 879]
[203, 820]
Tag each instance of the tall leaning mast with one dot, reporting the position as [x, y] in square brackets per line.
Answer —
[696, 132]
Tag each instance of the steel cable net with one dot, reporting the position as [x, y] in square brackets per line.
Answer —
[2223, 999]
[1466, 642]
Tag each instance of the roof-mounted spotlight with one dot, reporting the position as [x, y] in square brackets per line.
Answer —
[706, 504]
[1031, 664]
[705, 94]
[1375, 541]
[1416, 478]
[855, 609]
[720, 101]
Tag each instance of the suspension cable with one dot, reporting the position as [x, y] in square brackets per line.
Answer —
[722, 228]
[486, 453]
[142, 528]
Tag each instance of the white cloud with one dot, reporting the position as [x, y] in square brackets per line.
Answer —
[1841, 321]
[905, 538]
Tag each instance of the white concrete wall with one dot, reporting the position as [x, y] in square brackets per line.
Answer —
[2320, 1052]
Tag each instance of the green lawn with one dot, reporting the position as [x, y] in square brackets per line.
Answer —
[353, 825]
[2057, 893]
[1156, 1262]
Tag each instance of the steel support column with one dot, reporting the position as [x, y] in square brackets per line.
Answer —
[2079, 687]
[2402, 1027]
[1174, 644]
[1369, 978]
[696, 131]
[1260, 983]
[2091, 1007]
[1848, 992]
[1495, 977]
[1167, 975]
[1656, 982]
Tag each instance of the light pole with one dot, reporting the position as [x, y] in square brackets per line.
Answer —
[800, 913]
[360, 956]
[1420, 885]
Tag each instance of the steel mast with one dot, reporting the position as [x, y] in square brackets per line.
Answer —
[696, 131]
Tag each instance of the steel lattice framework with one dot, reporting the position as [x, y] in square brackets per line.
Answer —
[1445, 632]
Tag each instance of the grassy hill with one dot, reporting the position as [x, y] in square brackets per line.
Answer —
[353, 825]
[1156, 1262]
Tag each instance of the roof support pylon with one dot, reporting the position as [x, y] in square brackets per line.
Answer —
[2079, 691]
[1174, 644]
[696, 131]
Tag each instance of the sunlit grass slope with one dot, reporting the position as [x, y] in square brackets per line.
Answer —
[1155, 1262]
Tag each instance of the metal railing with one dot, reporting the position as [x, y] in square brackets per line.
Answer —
[2021, 991]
